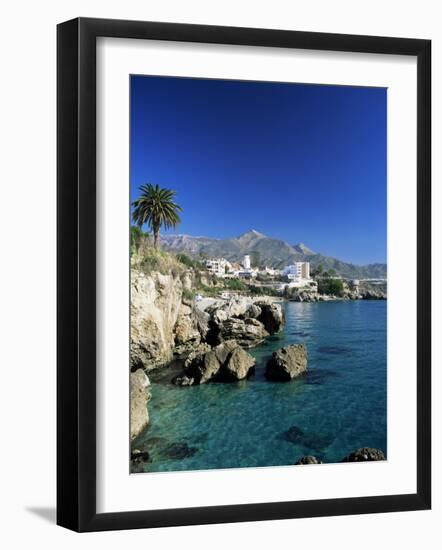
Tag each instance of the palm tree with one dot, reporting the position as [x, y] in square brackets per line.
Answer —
[156, 207]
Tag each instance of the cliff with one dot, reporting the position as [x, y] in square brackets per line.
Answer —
[160, 318]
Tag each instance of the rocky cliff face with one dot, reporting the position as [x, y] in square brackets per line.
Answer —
[139, 396]
[159, 319]
[165, 324]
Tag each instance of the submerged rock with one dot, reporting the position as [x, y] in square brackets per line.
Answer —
[294, 434]
[308, 459]
[287, 363]
[310, 440]
[183, 380]
[179, 450]
[139, 396]
[364, 454]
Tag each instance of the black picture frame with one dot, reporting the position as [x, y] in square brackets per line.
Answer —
[77, 286]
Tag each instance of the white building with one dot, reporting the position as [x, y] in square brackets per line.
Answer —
[297, 271]
[218, 266]
[270, 271]
[246, 262]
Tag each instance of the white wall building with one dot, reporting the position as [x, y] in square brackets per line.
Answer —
[297, 271]
[246, 262]
[218, 266]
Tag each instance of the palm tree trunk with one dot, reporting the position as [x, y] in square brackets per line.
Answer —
[156, 240]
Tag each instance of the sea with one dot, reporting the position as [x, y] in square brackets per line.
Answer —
[339, 406]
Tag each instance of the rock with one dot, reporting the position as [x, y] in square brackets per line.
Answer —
[242, 320]
[364, 454]
[202, 368]
[138, 456]
[209, 367]
[305, 296]
[226, 362]
[196, 353]
[179, 451]
[155, 307]
[308, 459]
[186, 329]
[315, 441]
[183, 380]
[373, 295]
[236, 307]
[223, 350]
[294, 434]
[187, 280]
[219, 316]
[253, 312]
[139, 396]
[238, 365]
[202, 321]
[287, 363]
[248, 333]
[272, 316]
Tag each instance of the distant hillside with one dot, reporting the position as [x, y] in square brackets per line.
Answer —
[267, 251]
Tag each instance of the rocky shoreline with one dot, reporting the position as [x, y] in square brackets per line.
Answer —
[209, 338]
[313, 296]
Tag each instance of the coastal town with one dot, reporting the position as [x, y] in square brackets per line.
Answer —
[296, 280]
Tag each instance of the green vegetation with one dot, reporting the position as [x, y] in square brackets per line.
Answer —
[209, 291]
[138, 239]
[234, 284]
[152, 259]
[189, 262]
[331, 286]
[255, 258]
[292, 292]
[188, 295]
[218, 285]
[156, 207]
[263, 291]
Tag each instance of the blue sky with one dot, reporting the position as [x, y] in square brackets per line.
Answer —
[297, 162]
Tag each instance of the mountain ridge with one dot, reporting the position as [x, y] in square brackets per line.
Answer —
[266, 250]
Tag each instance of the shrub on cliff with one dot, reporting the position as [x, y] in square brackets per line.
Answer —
[138, 240]
[189, 262]
[158, 260]
[331, 286]
[234, 284]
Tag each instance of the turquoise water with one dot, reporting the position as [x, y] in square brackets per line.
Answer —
[339, 406]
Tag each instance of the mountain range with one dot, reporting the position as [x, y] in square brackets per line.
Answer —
[265, 250]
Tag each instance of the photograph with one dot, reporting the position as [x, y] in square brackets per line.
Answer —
[258, 274]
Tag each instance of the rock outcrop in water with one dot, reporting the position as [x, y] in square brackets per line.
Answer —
[287, 363]
[308, 459]
[248, 333]
[346, 290]
[227, 362]
[271, 315]
[365, 454]
[139, 396]
[243, 319]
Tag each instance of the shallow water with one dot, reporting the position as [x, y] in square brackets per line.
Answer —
[339, 406]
